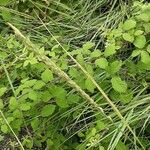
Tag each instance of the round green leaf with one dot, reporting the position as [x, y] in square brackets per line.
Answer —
[4, 128]
[148, 48]
[13, 104]
[129, 24]
[88, 45]
[114, 67]
[96, 53]
[47, 110]
[102, 63]
[33, 95]
[47, 75]
[145, 58]
[110, 50]
[138, 32]
[147, 27]
[25, 106]
[62, 102]
[89, 85]
[2, 90]
[136, 53]
[144, 17]
[128, 37]
[38, 85]
[4, 2]
[140, 41]
[6, 15]
[118, 84]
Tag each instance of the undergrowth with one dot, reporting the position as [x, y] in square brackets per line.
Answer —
[74, 75]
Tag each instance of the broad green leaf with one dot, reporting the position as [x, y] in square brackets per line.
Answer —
[29, 83]
[73, 98]
[89, 69]
[114, 67]
[6, 15]
[117, 32]
[96, 53]
[49, 143]
[33, 95]
[88, 45]
[17, 113]
[101, 148]
[25, 106]
[38, 85]
[138, 32]
[62, 102]
[28, 143]
[145, 58]
[140, 41]
[46, 96]
[129, 24]
[47, 75]
[102, 63]
[10, 119]
[126, 97]
[115, 96]
[26, 62]
[4, 2]
[91, 133]
[147, 27]
[100, 125]
[16, 124]
[48, 110]
[148, 48]
[118, 84]
[144, 17]
[128, 37]
[64, 65]
[3, 55]
[2, 90]
[110, 50]
[58, 92]
[121, 146]
[1, 104]
[80, 59]
[4, 128]
[73, 72]
[85, 51]
[136, 53]
[13, 103]
[33, 61]
[89, 85]
[35, 124]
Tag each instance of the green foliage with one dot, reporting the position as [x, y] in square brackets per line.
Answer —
[128, 37]
[129, 24]
[48, 110]
[43, 110]
[89, 85]
[119, 85]
[110, 50]
[102, 63]
[4, 2]
[2, 90]
[140, 41]
[47, 75]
